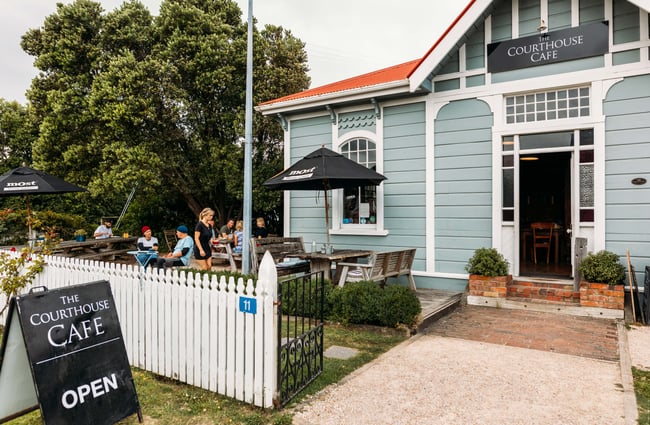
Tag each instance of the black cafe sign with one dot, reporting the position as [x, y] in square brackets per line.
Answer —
[551, 47]
[74, 347]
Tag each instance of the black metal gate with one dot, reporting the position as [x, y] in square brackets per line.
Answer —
[300, 333]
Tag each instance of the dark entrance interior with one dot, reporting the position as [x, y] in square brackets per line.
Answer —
[545, 196]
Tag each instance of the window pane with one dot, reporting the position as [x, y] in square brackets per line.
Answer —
[586, 186]
[546, 140]
[586, 156]
[586, 137]
[360, 204]
[508, 188]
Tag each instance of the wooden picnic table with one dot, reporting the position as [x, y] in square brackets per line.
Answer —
[323, 262]
[96, 249]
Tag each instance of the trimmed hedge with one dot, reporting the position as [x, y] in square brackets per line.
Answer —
[368, 303]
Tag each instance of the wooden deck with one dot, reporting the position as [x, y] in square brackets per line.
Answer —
[435, 304]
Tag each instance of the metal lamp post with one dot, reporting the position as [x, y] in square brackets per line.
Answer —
[248, 145]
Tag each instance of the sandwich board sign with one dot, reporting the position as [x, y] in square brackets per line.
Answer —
[63, 351]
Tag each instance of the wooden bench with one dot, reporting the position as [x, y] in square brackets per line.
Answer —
[279, 249]
[382, 265]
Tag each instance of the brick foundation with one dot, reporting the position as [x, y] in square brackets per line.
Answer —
[547, 292]
[602, 295]
[485, 286]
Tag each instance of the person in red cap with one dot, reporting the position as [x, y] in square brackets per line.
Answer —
[147, 242]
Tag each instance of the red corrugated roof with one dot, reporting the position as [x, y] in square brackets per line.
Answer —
[383, 76]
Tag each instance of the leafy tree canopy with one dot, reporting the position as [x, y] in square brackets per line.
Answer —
[125, 98]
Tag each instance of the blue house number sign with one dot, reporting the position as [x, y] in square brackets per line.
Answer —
[248, 305]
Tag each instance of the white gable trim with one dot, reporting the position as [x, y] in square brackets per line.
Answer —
[642, 4]
[448, 43]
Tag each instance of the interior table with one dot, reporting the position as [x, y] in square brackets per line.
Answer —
[321, 261]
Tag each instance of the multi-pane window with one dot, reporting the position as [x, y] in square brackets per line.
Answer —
[548, 105]
[360, 204]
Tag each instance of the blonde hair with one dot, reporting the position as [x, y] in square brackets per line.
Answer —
[239, 225]
[205, 211]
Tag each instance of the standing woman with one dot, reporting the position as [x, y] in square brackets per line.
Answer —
[202, 236]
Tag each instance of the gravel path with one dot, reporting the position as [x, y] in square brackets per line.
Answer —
[436, 379]
[431, 379]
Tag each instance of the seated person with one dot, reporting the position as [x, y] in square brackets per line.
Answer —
[239, 237]
[228, 229]
[182, 252]
[104, 230]
[147, 242]
[260, 229]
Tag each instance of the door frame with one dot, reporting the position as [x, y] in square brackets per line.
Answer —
[574, 189]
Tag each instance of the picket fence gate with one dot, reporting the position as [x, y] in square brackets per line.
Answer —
[186, 326]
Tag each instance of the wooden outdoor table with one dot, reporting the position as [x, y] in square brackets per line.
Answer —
[323, 262]
[223, 250]
[96, 248]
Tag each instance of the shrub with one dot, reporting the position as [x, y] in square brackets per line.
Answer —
[487, 262]
[602, 267]
[400, 306]
[367, 302]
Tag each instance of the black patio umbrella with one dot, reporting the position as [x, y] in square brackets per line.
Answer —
[324, 169]
[27, 181]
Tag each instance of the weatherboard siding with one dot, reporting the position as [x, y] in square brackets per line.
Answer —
[502, 21]
[529, 17]
[405, 168]
[591, 11]
[626, 22]
[463, 183]
[627, 153]
[559, 14]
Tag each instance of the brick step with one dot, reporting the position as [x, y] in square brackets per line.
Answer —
[546, 292]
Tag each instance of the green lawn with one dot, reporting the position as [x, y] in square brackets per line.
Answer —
[642, 389]
[165, 401]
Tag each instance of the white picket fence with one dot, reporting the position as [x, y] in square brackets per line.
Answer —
[188, 328]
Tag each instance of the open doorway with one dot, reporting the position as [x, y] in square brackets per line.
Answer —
[545, 196]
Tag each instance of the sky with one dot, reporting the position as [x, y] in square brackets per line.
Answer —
[344, 38]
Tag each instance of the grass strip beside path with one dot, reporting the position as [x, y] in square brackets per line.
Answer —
[165, 401]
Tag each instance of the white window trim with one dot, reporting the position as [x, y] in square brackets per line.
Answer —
[376, 229]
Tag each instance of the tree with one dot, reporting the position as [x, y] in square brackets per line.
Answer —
[17, 131]
[126, 99]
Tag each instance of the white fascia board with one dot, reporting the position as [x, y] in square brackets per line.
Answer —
[642, 4]
[361, 93]
[448, 43]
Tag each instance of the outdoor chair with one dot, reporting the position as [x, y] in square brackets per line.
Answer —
[170, 238]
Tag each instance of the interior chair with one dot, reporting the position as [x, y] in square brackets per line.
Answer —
[542, 236]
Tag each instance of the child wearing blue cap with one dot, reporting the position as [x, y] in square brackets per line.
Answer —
[182, 252]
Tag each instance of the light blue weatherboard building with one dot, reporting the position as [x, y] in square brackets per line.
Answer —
[523, 111]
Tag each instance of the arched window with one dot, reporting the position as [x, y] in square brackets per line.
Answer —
[360, 204]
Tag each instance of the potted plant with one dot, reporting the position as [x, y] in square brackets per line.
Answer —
[80, 235]
[602, 283]
[488, 273]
